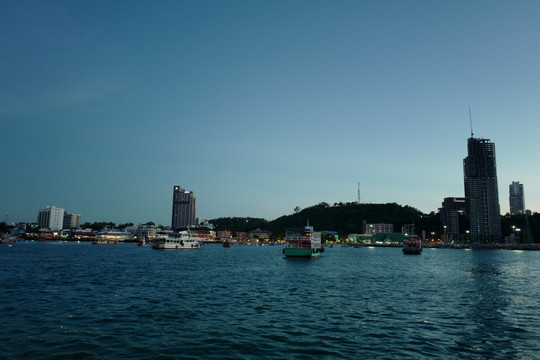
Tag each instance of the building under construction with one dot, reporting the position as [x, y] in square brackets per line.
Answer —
[480, 180]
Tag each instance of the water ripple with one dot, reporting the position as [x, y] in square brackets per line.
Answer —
[79, 301]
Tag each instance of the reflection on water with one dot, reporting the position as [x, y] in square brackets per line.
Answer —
[492, 329]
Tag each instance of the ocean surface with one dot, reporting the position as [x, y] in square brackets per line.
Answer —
[84, 301]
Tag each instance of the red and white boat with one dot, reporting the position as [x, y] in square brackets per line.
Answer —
[412, 245]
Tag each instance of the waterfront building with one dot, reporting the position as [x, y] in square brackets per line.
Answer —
[224, 234]
[259, 234]
[480, 180]
[71, 221]
[452, 209]
[378, 228]
[51, 217]
[146, 231]
[517, 198]
[183, 209]
[407, 229]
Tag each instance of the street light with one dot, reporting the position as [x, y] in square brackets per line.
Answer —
[445, 237]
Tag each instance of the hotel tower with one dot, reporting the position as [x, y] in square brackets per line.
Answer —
[183, 209]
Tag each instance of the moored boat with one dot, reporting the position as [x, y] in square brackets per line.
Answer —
[176, 241]
[304, 243]
[104, 242]
[6, 239]
[113, 236]
[226, 243]
[412, 245]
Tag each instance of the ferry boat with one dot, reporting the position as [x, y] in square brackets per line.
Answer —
[176, 241]
[304, 243]
[412, 245]
[113, 236]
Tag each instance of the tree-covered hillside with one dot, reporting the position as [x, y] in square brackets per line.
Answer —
[343, 218]
[348, 218]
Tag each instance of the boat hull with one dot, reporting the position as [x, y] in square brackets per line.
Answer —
[104, 242]
[412, 251]
[301, 252]
[176, 247]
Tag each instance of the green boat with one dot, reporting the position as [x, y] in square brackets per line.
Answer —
[303, 243]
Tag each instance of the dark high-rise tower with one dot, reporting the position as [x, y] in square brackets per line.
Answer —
[183, 209]
[480, 175]
[517, 198]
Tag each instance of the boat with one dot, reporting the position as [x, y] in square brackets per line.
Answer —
[302, 243]
[6, 239]
[226, 243]
[176, 241]
[412, 245]
[104, 242]
[113, 236]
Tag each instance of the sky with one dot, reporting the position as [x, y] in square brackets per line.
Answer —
[261, 106]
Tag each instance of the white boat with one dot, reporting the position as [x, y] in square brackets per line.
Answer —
[109, 236]
[176, 241]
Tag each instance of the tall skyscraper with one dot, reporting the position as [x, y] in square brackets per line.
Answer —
[517, 198]
[480, 178]
[183, 209]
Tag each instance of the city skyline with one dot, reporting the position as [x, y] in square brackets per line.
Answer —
[260, 107]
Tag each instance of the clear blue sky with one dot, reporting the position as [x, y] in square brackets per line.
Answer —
[261, 106]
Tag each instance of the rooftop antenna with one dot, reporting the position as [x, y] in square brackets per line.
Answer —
[470, 121]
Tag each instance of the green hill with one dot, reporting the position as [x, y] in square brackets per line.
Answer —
[343, 218]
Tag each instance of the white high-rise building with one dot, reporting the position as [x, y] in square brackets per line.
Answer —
[51, 217]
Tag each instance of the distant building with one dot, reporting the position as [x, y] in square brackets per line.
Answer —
[452, 208]
[480, 180]
[517, 198]
[71, 221]
[204, 223]
[51, 217]
[259, 234]
[407, 229]
[378, 228]
[146, 231]
[183, 209]
[224, 234]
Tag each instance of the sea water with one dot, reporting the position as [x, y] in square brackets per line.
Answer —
[84, 301]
